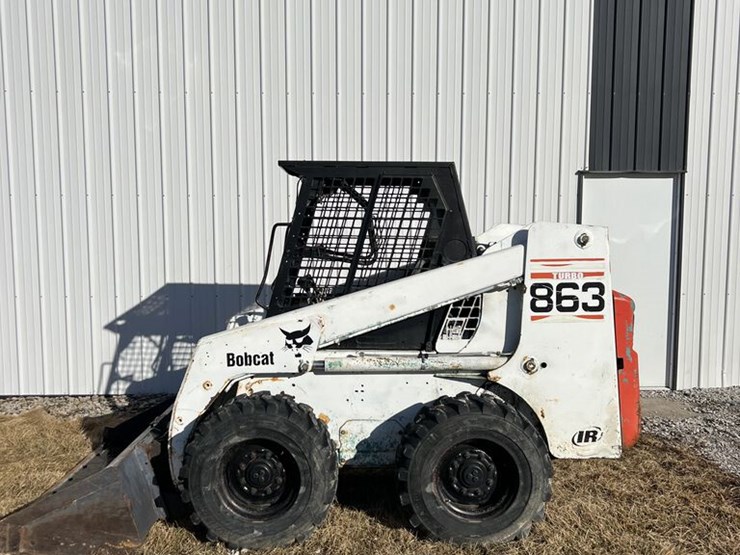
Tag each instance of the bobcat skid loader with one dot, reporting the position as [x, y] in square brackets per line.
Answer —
[392, 338]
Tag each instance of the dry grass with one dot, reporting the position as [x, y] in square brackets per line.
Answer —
[36, 450]
[659, 498]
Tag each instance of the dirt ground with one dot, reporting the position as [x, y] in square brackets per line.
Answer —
[659, 498]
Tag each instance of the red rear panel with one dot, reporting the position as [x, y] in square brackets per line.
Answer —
[629, 381]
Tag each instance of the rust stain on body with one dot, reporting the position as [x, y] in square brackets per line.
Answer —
[254, 383]
[324, 418]
[264, 380]
[542, 413]
[391, 307]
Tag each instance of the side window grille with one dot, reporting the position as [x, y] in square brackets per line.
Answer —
[401, 223]
[361, 232]
[329, 238]
[463, 319]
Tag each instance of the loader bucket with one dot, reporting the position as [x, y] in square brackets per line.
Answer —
[111, 499]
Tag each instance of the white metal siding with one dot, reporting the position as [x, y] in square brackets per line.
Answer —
[709, 325]
[139, 141]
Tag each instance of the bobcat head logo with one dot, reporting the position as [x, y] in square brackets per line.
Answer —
[297, 341]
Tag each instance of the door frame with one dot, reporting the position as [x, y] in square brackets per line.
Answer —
[674, 293]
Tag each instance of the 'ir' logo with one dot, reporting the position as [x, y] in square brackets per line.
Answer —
[589, 435]
[296, 341]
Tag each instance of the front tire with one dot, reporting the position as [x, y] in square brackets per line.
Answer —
[472, 470]
[260, 471]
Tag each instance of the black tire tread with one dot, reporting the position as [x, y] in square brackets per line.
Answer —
[274, 405]
[440, 411]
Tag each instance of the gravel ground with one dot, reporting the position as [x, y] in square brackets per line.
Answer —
[707, 420]
[79, 406]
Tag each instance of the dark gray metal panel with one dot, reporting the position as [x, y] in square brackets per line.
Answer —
[624, 97]
[639, 102]
[649, 90]
[601, 98]
[675, 85]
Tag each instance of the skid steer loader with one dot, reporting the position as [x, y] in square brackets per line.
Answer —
[392, 337]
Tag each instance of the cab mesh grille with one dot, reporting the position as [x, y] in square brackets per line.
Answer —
[360, 232]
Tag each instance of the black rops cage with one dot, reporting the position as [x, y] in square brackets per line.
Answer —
[361, 224]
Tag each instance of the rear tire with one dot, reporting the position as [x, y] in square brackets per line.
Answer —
[472, 470]
[260, 471]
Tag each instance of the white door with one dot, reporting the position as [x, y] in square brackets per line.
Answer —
[640, 215]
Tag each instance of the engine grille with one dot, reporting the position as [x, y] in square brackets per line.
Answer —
[463, 319]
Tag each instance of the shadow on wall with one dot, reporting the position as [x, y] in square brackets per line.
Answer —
[156, 337]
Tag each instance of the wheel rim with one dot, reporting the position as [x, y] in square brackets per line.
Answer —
[260, 479]
[477, 479]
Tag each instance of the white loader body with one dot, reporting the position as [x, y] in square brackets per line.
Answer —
[545, 333]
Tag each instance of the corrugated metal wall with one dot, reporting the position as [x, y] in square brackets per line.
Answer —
[709, 326]
[139, 140]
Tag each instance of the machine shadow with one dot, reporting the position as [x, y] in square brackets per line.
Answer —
[157, 336]
[155, 341]
[372, 491]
